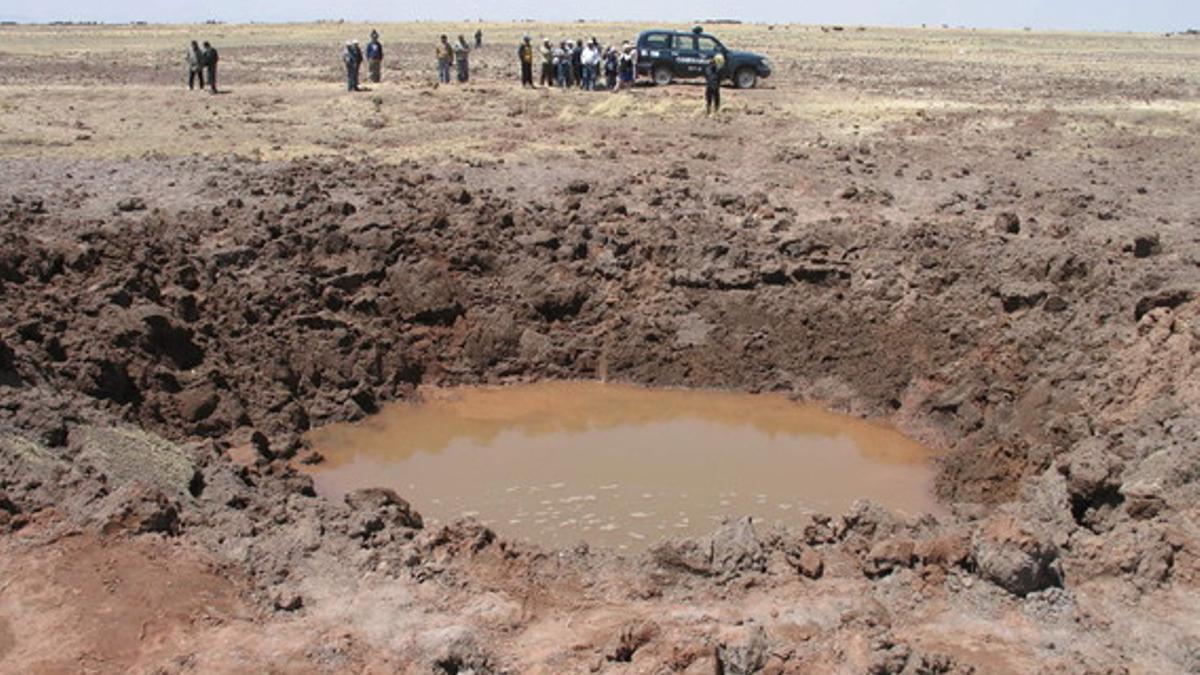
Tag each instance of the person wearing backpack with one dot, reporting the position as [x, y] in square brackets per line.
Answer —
[208, 60]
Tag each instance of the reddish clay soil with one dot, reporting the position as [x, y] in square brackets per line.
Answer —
[170, 329]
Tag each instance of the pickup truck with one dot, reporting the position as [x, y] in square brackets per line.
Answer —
[667, 55]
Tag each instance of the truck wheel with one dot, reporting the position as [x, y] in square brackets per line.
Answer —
[662, 76]
[745, 78]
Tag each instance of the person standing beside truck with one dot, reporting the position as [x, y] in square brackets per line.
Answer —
[712, 84]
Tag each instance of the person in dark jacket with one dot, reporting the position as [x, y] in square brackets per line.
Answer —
[352, 57]
[375, 58]
[195, 70]
[478, 38]
[577, 64]
[525, 58]
[208, 59]
[712, 84]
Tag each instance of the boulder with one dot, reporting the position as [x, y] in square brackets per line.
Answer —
[137, 508]
[423, 293]
[889, 555]
[1014, 558]
[736, 548]
[385, 506]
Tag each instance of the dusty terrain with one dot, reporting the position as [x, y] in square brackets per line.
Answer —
[989, 240]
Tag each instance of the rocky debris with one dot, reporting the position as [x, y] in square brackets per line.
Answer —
[888, 657]
[378, 508]
[423, 293]
[746, 657]
[126, 456]
[288, 602]
[1169, 299]
[632, 637]
[889, 555]
[1146, 245]
[736, 548]
[1009, 555]
[1093, 482]
[807, 562]
[8, 367]
[1015, 296]
[556, 300]
[137, 508]
[1007, 223]
[129, 204]
[732, 549]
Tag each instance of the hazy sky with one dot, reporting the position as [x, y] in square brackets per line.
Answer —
[1138, 15]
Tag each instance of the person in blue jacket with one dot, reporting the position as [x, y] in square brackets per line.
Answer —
[375, 58]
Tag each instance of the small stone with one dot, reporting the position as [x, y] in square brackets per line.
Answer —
[288, 602]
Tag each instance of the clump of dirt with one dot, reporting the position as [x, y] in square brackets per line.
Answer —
[160, 368]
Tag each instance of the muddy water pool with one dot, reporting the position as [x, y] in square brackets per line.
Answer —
[620, 466]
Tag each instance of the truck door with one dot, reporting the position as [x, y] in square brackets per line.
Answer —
[687, 59]
[707, 47]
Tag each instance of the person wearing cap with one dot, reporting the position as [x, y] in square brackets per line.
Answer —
[375, 58]
[445, 59]
[525, 58]
[625, 68]
[352, 56]
[712, 84]
[547, 54]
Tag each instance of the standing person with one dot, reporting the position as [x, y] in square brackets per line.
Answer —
[712, 84]
[591, 60]
[462, 53]
[350, 58]
[195, 70]
[478, 38]
[625, 68]
[525, 58]
[547, 54]
[375, 58]
[208, 59]
[562, 63]
[358, 61]
[445, 59]
[577, 64]
[610, 68]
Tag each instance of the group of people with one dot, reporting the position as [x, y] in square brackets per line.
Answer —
[456, 55]
[202, 64]
[353, 57]
[570, 64]
[578, 64]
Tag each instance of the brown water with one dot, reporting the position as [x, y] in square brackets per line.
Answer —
[620, 466]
